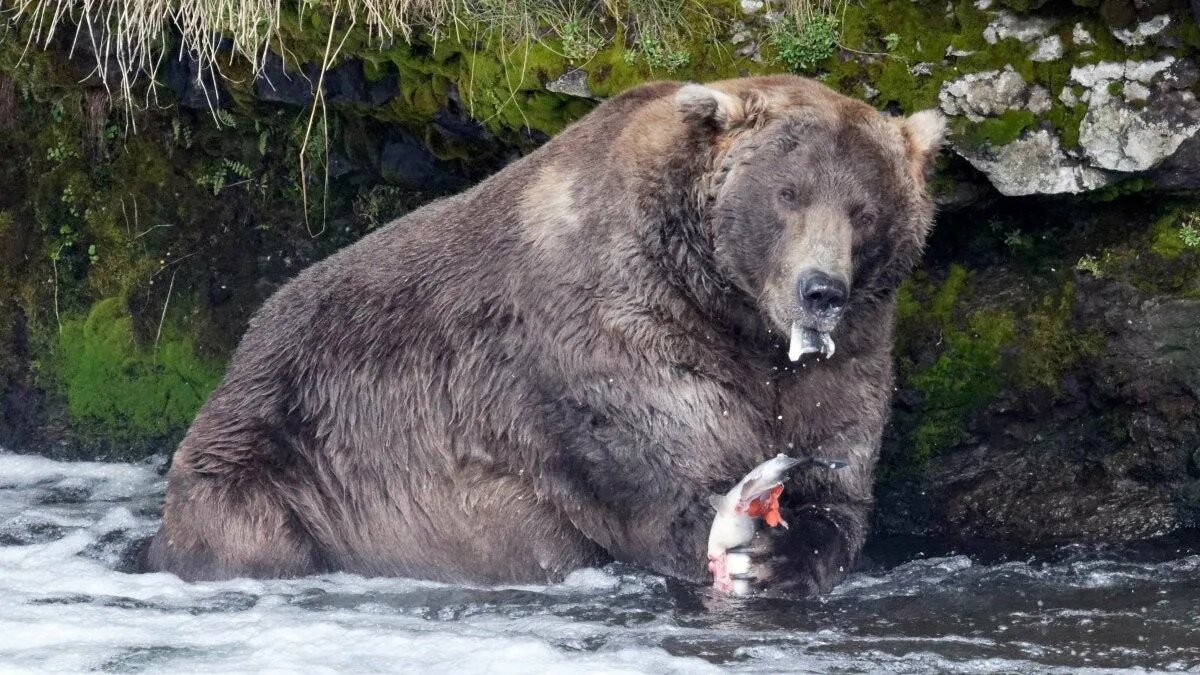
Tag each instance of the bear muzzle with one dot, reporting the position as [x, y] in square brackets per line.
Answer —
[821, 298]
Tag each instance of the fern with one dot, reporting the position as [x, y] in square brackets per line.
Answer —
[239, 169]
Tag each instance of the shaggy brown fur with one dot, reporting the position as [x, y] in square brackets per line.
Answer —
[557, 367]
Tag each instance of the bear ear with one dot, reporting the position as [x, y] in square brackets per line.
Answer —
[708, 106]
[924, 132]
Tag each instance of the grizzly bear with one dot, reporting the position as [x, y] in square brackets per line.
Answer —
[557, 367]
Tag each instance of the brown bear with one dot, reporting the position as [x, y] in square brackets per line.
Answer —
[556, 368]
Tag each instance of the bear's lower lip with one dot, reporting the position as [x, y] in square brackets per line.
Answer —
[809, 341]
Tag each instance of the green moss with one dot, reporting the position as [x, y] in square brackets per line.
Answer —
[1048, 347]
[997, 131]
[1175, 233]
[1164, 259]
[1023, 6]
[1008, 347]
[122, 392]
[1067, 119]
[967, 371]
[1122, 188]
[907, 305]
[965, 376]
[941, 309]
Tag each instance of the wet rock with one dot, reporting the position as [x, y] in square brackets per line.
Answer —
[752, 6]
[1048, 49]
[1010, 26]
[1180, 171]
[1060, 499]
[1107, 457]
[385, 89]
[1039, 100]
[277, 83]
[1117, 135]
[1141, 33]
[987, 94]
[574, 82]
[1139, 113]
[1081, 37]
[193, 89]
[1035, 164]
[456, 126]
[1174, 329]
[1120, 137]
[345, 83]
[405, 162]
[1136, 92]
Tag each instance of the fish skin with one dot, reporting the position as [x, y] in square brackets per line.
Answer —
[734, 525]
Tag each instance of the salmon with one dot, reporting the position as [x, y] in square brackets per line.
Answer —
[755, 497]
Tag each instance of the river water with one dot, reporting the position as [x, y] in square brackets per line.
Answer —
[69, 602]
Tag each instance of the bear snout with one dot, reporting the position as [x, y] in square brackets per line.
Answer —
[822, 297]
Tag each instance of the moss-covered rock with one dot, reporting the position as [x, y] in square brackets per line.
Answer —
[1036, 356]
[121, 392]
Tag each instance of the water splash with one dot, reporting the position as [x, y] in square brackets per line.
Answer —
[68, 532]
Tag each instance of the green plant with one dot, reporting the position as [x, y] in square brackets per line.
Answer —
[579, 41]
[217, 176]
[1090, 264]
[69, 199]
[801, 44]
[1176, 233]
[891, 41]
[379, 205]
[1189, 231]
[61, 150]
[660, 55]
[224, 117]
[181, 135]
[1017, 240]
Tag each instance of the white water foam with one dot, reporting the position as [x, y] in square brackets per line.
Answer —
[67, 531]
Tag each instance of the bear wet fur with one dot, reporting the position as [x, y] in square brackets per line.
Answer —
[557, 367]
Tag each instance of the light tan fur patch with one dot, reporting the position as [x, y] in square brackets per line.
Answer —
[547, 208]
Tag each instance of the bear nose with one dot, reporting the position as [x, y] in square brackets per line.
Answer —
[822, 294]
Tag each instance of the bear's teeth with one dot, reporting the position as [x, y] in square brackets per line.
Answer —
[827, 345]
[808, 341]
[796, 347]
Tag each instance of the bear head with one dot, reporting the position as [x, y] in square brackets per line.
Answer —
[814, 202]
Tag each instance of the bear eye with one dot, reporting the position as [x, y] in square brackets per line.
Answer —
[787, 195]
[865, 218]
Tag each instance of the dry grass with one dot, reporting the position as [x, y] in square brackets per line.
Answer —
[129, 37]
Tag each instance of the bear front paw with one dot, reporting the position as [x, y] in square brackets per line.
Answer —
[777, 566]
